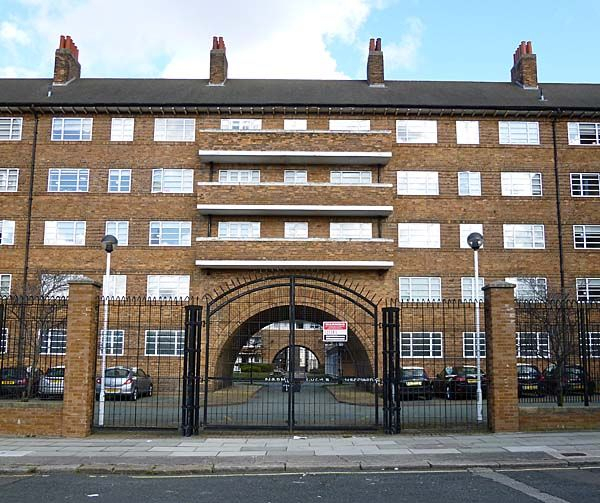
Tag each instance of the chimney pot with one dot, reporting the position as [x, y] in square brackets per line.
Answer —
[529, 48]
[215, 43]
[372, 44]
[378, 44]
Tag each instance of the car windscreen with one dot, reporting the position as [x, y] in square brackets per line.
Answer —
[410, 373]
[117, 373]
[56, 372]
[14, 373]
[463, 371]
[527, 371]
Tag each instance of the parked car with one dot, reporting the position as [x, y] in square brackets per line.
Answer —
[125, 382]
[16, 381]
[459, 382]
[414, 383]
[530, 380]
[572, 380]
[52, 383]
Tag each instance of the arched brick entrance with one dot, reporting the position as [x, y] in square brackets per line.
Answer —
[262, 316]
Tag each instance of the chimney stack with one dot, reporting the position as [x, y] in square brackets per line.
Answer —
[375, 76]
[66, 64]
[524, 70]
[218, 63]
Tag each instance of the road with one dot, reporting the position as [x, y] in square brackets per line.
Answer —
[484, 486]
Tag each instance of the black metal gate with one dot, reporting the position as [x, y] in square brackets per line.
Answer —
[266, 364]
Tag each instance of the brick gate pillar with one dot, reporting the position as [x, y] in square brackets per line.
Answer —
[501, 357]
[80, 359]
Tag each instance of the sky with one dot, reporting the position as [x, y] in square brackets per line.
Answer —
[312, 39]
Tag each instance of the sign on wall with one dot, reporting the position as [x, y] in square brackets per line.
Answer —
[335, 331]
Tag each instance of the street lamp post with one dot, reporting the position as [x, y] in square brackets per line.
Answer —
[475, 241]
[109, 244]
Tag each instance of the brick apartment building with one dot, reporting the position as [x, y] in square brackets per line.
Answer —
[374, 182]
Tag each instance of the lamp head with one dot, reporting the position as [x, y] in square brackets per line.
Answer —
[475, 240]
[109, 243]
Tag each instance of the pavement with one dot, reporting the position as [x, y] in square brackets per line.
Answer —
[168, 454]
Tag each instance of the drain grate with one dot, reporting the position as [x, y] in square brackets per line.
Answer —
[573, 454]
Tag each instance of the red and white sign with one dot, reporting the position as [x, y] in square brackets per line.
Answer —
[335, 331]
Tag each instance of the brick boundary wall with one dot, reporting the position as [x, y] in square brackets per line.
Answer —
[28, 419]
[558, 418]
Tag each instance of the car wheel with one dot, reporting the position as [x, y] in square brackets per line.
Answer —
[449, 394]
[150, 390]
[134, 394]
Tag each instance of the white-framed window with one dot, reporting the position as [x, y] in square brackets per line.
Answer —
[469, 349]
[121, 129]
[416, 131]
[295, 176]
[594, 344]
[524, 236]
[294, 124]
[68, 180]
[5, 281]
[586, 236]
[468, 291]
[174, 129]
[4, 341]
[467, 132]
[72, 129]
[53, 341]
[11, 128]
[173, 181]
[296, 230]
[167, 286]
[418, 183]
[115, 342]
[533, 345]
[116, 287]
[519, 133]
[64, 233]
[164, 342]
[239, 176]
[241, 124]
[119, 180]
[582, 184]
[349, 125]
[7, 232]
[420, 289]
[169, 233]
[9, 179]
[237, 230]
[351, 177]
[465, 230]
[532, 289]
[418, 235]
[588, 289]
[521, 184]
[119, 229]
[350, 230]
[421, 344]
[469, 183]
[584, 133]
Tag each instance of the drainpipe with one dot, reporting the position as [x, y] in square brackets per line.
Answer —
[558, 208]
[30, 200]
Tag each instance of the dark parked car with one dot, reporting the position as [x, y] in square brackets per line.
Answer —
[15, 381]
[459, 382]
[414, 383]
[530, 380]
[572, 380]
[125, 382]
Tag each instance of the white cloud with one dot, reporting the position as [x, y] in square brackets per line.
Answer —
[403, 55]
[13, 72]
[9, 32]
[264, 38]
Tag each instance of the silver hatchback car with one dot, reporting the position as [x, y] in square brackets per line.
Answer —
[125, 382]
[52, 383]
